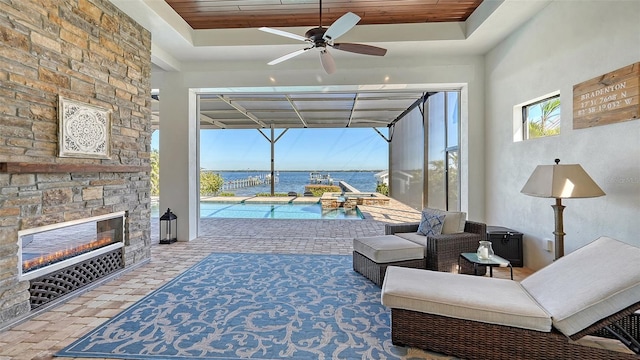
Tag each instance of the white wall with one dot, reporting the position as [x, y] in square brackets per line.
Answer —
[568, 42]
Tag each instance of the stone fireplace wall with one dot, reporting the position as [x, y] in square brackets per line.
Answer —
[88, 51]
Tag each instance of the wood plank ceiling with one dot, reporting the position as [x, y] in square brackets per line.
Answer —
[228, 14]
[314, 110]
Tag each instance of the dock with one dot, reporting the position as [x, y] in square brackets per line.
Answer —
[320, 178]
[249, 181]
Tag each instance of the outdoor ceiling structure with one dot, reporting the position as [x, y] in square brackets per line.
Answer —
[299, 110]
[303, 110]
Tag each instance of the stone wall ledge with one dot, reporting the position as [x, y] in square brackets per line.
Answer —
[39, 168]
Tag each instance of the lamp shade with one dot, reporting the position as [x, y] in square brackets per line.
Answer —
[564, 181]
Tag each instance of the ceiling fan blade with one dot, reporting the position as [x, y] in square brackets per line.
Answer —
[288, 56]
[283, 33]
[360, 49]
[327, 61]
[341, 26]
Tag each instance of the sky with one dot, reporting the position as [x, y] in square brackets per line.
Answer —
[297, 149]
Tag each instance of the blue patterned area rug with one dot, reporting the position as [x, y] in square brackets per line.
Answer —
[251, 306]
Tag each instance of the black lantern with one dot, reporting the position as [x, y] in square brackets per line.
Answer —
[168, 228]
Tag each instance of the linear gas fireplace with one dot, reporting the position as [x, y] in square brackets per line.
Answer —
[60, 258]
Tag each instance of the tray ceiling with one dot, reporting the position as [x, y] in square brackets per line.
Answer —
[226, 31]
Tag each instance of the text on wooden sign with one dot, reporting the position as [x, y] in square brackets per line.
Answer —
[607, 99]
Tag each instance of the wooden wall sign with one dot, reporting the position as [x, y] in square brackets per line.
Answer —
[607, 99]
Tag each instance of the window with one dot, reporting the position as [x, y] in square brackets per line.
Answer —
[541, 118]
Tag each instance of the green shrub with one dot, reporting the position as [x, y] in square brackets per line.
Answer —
[269, 194]
[210, 183]
[318, 190]
[383, 189]
[227, 194]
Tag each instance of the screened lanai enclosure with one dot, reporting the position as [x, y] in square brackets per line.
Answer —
[420, 128]
[424, 159]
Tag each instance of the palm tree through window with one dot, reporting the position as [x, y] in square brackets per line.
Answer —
[541, 118]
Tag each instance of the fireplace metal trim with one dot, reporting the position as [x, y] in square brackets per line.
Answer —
[71, 261]
[67, 262]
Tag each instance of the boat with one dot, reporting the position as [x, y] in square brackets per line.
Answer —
[320, 178]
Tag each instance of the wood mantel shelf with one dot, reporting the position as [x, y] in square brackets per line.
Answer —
[43, 168]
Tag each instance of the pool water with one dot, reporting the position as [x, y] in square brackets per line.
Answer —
[272, 211]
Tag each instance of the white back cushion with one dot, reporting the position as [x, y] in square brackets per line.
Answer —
[587, 285]
[454, 221]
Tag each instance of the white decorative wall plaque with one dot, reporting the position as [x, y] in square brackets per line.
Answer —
[84, 130]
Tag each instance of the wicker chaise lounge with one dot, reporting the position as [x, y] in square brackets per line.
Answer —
[539, 318]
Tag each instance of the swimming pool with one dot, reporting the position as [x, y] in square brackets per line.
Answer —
[272, 211]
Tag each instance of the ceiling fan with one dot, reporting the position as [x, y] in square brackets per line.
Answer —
[320, 38]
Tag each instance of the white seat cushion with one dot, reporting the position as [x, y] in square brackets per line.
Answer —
[488, 300]
[387, 248]
[415, 238]
[587, 285]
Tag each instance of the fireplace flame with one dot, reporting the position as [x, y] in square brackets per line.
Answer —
[60, 255]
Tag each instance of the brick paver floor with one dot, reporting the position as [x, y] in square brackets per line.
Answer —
[47, 331]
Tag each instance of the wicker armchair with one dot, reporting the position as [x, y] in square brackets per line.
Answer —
[443, 251]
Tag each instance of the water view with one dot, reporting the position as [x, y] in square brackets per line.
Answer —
[288, 181]
[275, 211]
[364, 181]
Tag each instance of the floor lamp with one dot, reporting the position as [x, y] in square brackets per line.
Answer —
[560, 182]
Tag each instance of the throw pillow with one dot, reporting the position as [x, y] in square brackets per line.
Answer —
[431, 224]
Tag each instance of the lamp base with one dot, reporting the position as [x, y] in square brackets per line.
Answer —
[559, 232]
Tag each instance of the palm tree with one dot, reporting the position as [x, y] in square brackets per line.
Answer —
[549, 123]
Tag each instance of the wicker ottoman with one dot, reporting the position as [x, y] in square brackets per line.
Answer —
[372, 255]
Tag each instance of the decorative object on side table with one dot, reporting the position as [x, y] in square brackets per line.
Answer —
[84, 131]
[168, 227]
[485, 250]
[566, 181]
